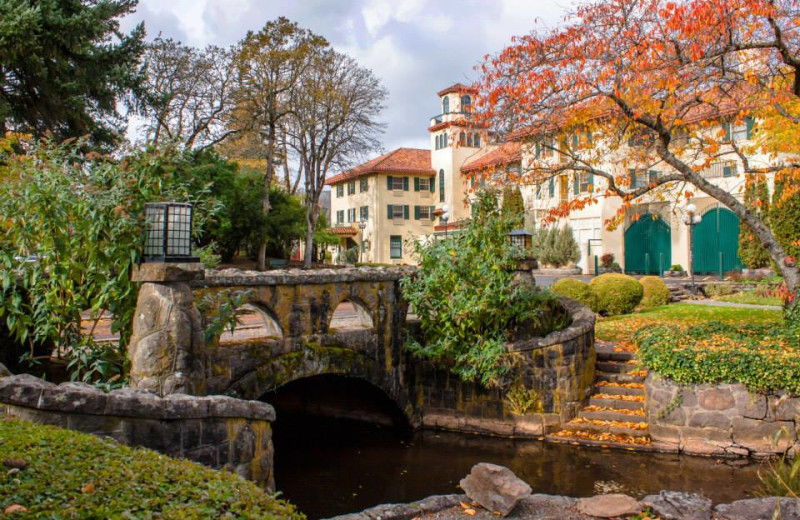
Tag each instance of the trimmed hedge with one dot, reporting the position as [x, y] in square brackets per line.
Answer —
[761, 357]
[575, 289]
[656, 292]
[76, 475]
[616, 293]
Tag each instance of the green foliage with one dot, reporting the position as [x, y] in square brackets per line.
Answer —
[127, 482]
[219, 311]
[575, 289]
[66, 65]
[676, 267]
[463, 296]
[351, 255]
[753, 254]
[763, 358]
[72, 230]
[656, 292]
[781, 478]
[556, 246]
[513, 206]
[784, 218]
[616, 293]
[521, 400]
[713, 290]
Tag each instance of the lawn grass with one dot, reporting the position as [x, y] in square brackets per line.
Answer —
[749, 297]
[621, 328]
[75, 475]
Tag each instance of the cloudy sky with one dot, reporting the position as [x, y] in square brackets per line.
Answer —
[416, 47]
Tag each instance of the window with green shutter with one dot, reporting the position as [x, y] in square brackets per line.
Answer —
[405, 183]
[430, 211]
[441, 185]
[363, 185]
[416, 183]
[433, 184]
[405, 212]
[395, 211]
[395, 246]
[351, 187]
[552, 188]
[340, 190]
[364, 213]
[416, 212]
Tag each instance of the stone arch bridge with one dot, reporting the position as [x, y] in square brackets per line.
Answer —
[169, 353]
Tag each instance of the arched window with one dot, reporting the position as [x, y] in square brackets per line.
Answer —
[477, 141]
[466, 104]
[462, 139]
[469, 140]
[436, 142]
[441, 185]
[445, 142]
[446, 105]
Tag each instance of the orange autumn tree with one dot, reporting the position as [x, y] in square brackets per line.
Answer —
[654, 86]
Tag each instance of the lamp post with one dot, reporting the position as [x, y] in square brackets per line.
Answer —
[169, 233]
[362, 226]
[445, 217]
[691, 219]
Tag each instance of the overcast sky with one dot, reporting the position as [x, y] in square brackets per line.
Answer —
[416, 47]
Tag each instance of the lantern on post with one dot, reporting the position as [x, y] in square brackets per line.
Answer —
[168, 233]
[521, 239]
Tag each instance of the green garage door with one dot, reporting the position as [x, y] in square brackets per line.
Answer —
[716, 243]
[648, 246]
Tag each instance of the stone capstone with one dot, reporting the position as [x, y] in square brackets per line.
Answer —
[167, 272]
[495, 488]
[672, 505]
[609, 506]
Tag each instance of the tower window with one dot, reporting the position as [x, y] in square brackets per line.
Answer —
[469, 140]
[446, 105]
[462, 139]
[466, 104]
[477, 141]
[441, 185]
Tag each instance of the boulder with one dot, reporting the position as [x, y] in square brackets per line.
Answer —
[759, 509]
[4, 372]
[673, 505]
[609, 506]
[495, 488]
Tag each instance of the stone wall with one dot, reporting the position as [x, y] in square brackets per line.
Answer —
[722, 419]
[559, 368]
[217, 431]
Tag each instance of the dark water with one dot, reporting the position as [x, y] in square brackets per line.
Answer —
[330, 466]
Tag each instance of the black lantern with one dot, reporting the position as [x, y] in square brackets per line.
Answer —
[169, 233]
[521, 239]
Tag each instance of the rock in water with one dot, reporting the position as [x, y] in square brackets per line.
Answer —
[673, 505]
[494, 487]
[609, 506]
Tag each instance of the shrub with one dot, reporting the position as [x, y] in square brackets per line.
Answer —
[719, 289]
[466, 302]
[76, 475]
[752, 253]
[616, 293]
[607, 260]
[351, 255]
[676, 267]
[761, 357]
[575, 289]
[656, 292]
[556, 246]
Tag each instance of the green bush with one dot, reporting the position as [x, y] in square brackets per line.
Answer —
[656, 292]
[752, 253]
[76, 475]
[761, 357]
[468, 308]
[616, 293]
[719, 289]
[575, 289]
[556, 246]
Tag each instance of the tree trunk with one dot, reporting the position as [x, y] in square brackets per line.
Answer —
[308, 254]
[265, 206]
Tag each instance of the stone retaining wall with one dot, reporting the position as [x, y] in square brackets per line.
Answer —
[559, 368]
[220, 432]
[722, 419]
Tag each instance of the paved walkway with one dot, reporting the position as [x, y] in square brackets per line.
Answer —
[715, 303]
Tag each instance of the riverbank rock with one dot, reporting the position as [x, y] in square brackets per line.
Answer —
[609, 506]
[760, 508]
[4, 372]
[673, 505]
[495, 488]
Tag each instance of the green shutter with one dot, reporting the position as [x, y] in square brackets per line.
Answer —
[576, 184]
[405, 183]
[750, 122]
[632, 174]
[591, 181]
[727, 127]
[538, 150]
[389, 211]
[552, 187]
[431, 211]
[416, 212]
[416, 183]
[653, 176]
[727, 171]
[405, 212]
[433, 184]
[389, 182]
[589, 137]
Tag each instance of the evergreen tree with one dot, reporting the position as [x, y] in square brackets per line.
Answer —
[785, 216]
[513, 206]
[64, 65]
[751, 251]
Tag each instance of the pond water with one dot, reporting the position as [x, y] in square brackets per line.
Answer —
[329, 466]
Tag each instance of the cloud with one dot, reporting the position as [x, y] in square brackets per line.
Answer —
[416, 47]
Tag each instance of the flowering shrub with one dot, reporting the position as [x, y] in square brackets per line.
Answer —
[761, 357]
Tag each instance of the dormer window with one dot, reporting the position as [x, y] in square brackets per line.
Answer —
[466, 103]
[446, 105]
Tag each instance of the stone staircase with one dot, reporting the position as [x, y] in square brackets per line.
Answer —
[679, 293]
[615, 413]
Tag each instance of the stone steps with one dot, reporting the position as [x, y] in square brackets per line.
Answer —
[606, 352]
[615, 367]
[612, 389]
[617, 404]
[619, 378]
[610, 414]
[604, 426]
[678, 293]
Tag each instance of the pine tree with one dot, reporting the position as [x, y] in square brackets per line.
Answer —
[785, 216]
[514, 206]
[752, 253]
[64, 66]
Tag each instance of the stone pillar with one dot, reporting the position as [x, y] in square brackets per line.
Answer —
[167, 338]
[522, 274]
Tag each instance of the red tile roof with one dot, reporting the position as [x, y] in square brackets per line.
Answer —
[402, 160]
[499, 155]
[457, 87]
[347, 231]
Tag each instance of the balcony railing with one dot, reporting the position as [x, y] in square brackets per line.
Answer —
[720, 169]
